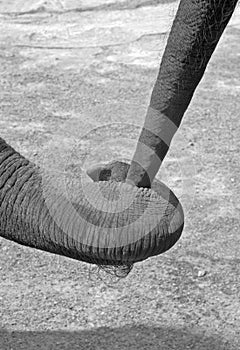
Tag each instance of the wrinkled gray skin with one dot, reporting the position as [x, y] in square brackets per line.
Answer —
[24, 216]
[195, 32]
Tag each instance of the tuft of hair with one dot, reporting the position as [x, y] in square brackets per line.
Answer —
[110, 274]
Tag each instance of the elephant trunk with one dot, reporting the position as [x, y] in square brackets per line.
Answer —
[195, 32]
[108, 223]
[24, 215]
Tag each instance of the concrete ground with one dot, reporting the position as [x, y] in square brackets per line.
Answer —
[75, 83]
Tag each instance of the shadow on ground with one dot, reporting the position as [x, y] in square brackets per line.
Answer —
[128, 337]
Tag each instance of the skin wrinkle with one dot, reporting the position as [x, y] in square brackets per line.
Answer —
[19, 212]
[18, 203]
[57, 200]
[7, 167]
[43, 221]
[43, 215]
[6, 163]
[69, 219]
[95, 214]
[35, 210]
[111, 222]
[11, 195]
[83, 228]
[9, 180]
[3, 146]
[12, 177]
[78, 239]
[64, 214]
[216, 20]
[68, 236]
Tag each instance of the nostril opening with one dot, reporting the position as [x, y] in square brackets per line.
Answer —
[105, 175]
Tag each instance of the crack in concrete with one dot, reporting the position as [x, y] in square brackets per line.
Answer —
[89, 46]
